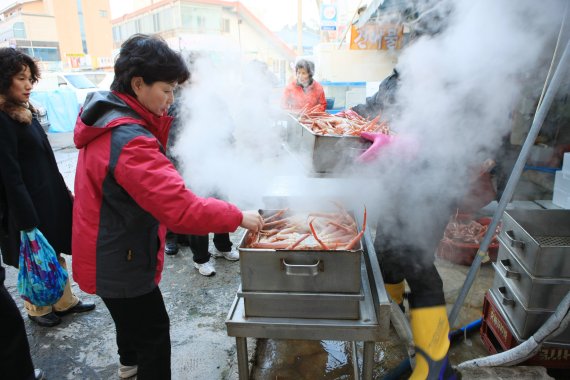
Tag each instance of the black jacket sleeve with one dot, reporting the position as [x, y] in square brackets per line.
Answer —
[17, 198]
[385, 96]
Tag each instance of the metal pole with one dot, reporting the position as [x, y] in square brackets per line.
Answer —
[300, 27]
[368, 361]
[513, 180]
[243, 366]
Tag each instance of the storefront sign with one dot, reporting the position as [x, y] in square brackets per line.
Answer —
[374, 36]
[328, 15]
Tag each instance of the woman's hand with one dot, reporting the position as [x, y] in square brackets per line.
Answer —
[252, 221]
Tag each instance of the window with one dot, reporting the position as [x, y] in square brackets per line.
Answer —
[225, 25]
[102, 13]
[156, 22]
[200, 22]
[19, 30]
[117, 34]
[79, 81]
[166, 17]
[146, 24]
[43, 54]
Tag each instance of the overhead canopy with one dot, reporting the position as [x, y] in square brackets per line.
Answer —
[370, 9]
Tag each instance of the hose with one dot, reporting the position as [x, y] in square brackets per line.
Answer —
[402, 327]
[554, 325]
[467, 329]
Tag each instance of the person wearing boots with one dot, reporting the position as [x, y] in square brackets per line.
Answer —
[33, 193]
[405, 246]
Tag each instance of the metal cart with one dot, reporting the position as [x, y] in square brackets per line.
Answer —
[373, 324]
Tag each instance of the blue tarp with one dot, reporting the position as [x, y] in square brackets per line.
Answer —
[62, 108]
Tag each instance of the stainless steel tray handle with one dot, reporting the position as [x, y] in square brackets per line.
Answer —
[510, 235]
[505, 300]
[506, 263]
[302, 270]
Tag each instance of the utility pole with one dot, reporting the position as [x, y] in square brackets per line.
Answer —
[300, 27]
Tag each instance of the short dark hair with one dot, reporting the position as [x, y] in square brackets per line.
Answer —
[12, 62]
[307, 65]
[148, 57]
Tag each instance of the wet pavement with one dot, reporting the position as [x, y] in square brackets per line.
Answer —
[83, 346]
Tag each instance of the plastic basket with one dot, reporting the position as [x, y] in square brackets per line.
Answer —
[464, 253]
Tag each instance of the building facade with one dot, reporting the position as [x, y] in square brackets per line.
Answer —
[60, 33]
[207, 26]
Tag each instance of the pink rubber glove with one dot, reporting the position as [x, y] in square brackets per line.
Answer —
[378, 141]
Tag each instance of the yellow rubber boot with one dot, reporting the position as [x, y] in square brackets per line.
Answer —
[430, 329]
[396, 291]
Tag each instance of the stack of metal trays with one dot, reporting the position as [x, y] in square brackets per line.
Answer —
[299, 283]
[326, 154]
[533, 268]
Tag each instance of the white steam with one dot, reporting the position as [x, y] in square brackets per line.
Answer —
[229, 145]
[456, 93]
[457, 90]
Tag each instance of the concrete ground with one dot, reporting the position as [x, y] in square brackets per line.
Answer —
[83, 346]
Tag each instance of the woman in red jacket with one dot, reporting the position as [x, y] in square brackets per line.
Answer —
[127, 193]
[305, 92]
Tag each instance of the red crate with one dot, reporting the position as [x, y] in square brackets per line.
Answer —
[464, 253]
[497, 336]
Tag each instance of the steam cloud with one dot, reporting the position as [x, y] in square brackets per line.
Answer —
[456, 92]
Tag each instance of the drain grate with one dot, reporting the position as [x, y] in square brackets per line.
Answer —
[553, 241]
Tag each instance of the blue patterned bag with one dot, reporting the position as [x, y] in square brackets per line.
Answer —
[41, 278]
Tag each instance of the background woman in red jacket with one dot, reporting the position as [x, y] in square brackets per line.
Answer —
[305, 92]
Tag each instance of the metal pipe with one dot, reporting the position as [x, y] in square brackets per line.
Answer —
[513, 180]
[368, 361]
[355, 367]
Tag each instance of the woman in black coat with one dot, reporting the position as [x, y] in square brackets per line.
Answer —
[33, 193]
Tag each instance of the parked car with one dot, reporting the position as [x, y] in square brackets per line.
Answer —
[42, 115]
[102, 79]
[76, 81]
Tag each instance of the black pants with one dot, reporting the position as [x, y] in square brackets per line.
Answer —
[143, 333]
[15, 359]
[199, 246]
[402, 259]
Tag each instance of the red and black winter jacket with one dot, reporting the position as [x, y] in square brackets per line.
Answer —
[126, 194]
[295, 97]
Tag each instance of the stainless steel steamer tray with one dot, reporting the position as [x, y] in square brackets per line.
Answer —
[540, 239]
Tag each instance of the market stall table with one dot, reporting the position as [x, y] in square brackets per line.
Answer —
[372, 326]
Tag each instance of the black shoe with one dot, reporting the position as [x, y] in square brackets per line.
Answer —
[38, 374]
[48, 320]
[171, 248]
[81, 307]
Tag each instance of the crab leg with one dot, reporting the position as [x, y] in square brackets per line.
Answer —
[323, 245]
[353, 242]
[292, 246]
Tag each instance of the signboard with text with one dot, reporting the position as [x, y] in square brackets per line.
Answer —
[374, 36]
[329, 15]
